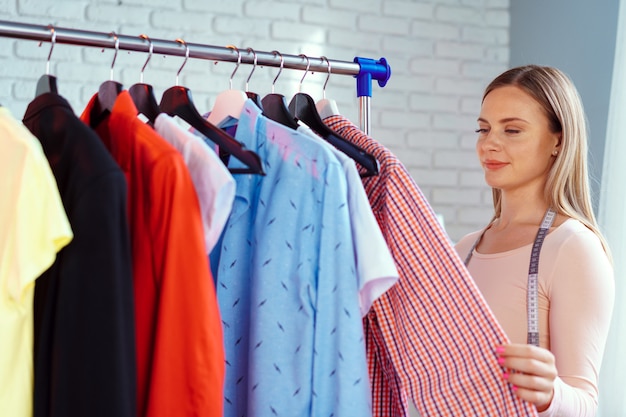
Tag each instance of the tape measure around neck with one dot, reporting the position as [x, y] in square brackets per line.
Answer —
[532, 303]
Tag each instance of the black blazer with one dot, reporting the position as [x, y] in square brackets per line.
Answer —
[84, 357]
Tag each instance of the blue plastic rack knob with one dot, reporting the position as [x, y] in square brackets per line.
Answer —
[371, 69]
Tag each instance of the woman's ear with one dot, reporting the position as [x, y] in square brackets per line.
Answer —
[557, 144]
[559, 137]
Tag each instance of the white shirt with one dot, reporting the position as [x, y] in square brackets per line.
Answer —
[376, 269]
[214, 184]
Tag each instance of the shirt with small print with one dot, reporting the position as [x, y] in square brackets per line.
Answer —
[376, 269]
[286, 283]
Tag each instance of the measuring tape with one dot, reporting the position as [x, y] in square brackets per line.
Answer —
[532, 302]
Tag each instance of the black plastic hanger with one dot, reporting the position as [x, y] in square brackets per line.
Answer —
[275, 108]
[48, 83]
[302, 106]
[107, 93]
[256, 99]
[143, 94]
[275, 105]
[145, 100]
[177, 101]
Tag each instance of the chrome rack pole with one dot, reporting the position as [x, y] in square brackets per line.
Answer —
[364, 69]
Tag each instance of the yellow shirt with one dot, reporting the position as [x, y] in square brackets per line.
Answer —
[33, 228]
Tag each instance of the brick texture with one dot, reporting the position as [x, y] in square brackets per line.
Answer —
[442, 54]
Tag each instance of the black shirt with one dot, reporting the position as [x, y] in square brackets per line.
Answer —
[84, 357]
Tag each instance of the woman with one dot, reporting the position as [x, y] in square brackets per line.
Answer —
[532, 146]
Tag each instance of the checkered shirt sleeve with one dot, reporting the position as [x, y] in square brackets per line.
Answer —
[431, 338]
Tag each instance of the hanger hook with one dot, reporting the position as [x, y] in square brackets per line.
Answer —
[230, 82]
[179, 40]
[327, 76]
[253, 67]
[282, 62]
[308, 65]
[53, 39]
[117, 48]
[151, 49]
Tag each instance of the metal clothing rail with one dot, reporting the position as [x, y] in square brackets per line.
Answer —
[365, 70]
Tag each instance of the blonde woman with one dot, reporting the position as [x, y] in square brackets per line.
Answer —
[541, 263]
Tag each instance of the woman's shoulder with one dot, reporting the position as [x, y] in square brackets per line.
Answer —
[573, 240]
[574, 232]
[576, 263]
[464, 245]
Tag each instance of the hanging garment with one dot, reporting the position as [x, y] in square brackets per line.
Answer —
[214, 185]
[84, 332]
[431, 338]
[376, 270]
[286, 282]
[180, 357]
[33, 228]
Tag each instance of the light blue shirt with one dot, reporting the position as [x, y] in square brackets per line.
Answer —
[286, 283]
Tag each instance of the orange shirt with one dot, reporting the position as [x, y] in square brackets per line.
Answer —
[180, 354]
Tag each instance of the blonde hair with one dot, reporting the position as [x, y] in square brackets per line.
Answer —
[567, 186]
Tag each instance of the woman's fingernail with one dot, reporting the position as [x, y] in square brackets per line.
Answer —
[501, 361]
[500, 349]
[514, 387]
[506, 375]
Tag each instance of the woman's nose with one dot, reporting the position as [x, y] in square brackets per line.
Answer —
[489, 141]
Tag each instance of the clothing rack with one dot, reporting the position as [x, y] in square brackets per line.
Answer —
[365, 70]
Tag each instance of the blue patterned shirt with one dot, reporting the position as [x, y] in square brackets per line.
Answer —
[287, 285]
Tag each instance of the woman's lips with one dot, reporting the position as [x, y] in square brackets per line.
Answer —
[493, 165]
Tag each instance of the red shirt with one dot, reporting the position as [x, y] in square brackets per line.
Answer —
[180, 354]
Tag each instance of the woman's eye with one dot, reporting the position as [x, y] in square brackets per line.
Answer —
[512, 131]
[481, 131]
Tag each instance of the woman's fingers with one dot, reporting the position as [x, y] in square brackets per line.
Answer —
[525, 351]
[531, 371]
[530, 382]
[541, 399]
[531, 365]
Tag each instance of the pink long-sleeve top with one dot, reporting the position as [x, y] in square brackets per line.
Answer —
[576, 296]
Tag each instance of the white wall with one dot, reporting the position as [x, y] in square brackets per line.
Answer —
[579, 38]
[612, 219]
[442, 54]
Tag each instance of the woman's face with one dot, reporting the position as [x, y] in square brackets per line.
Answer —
[515, 145]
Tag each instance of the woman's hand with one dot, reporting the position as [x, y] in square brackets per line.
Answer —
[531, 370]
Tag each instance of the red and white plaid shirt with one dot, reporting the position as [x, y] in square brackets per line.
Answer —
[431, 338]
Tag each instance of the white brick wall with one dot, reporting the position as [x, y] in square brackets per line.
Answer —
[442, 54]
